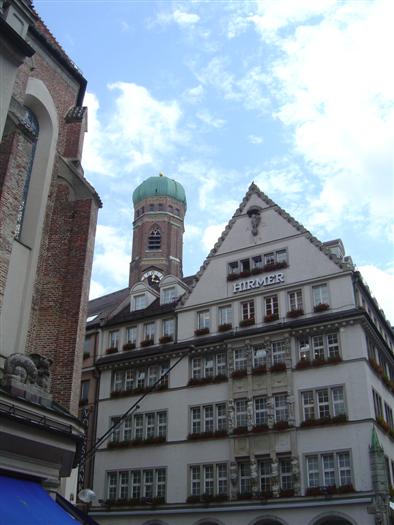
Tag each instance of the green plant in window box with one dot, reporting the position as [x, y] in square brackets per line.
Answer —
[295, 313]
[247, 322]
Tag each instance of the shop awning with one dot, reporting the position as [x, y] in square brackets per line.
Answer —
[27, 503]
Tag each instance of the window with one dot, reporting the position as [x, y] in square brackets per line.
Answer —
[319, 347]
[203, 319]
[225, 315]
[285, 474]
[259, 356]
[241, 412]
[261, 411]
[139, 302]
[240, 359]
[281, 256]
[169, 295]
[131, 334]
[295, 300]
[232, 267]
[126, 484]
[323, 403]
[170, 208]
[245, 486]
[281, 411]
[265, 471]
[320, 294]
[328, 469]
[278, 352]
[84, 390]
[88, 346]
[209, 365]
[154, 240]
[257, 262]
[113, 339]
[160, 206]
[247, 310]
[140, 378]
[210, 480]
[208, 418]
[245, 265]
[273, 258]
[151, 207]
[271, 305]
[168, 327]
[377, 403]
[149, 331]
[389, 415]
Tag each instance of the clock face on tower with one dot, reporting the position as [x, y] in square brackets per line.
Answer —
[153, 277]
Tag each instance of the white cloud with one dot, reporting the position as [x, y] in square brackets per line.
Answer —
[211, 235]
[140, 129]
[195, 94]
[96, 290]
[185, 19]
[381, 283]
[255, 139]
[335, 87]
[207, 118]
[192, 231]
[286, 180]
[112, 255]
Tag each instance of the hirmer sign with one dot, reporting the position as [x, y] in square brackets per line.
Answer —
[274, 278]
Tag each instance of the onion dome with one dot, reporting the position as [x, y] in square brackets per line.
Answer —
[160, 186]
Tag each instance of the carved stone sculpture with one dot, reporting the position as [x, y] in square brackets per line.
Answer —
[43, 375]
[19, 368]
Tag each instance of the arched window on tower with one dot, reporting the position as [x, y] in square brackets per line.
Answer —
[32, 123]
[154, 240]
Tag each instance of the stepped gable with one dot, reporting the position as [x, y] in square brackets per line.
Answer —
[253, 188]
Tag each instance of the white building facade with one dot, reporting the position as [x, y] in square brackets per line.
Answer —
[273, 377]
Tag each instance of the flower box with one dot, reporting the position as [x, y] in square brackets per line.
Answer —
[207, 435]
[322, 421]
[201, 331]
[260, 428]
[198, 381]
[303, 364]
[244, 273]
[270, 267]
[245, 495]
[86, 355]
[232, 276]
[345, 489]
[128, 346]
[240, 430]
[383, 424]
[259, 370]
[278, 367]
[111, 350]
[295, 313]
[165, 339]
[220, 378]
[281, 425]
[256, 271]
[225, 327]
[193, 499]
[269, 318]
[147, 342]
[322, 307]
[314, 491]
[320, 361]
[334, 360]
[238, 374]
[247, 322]
[286, 493]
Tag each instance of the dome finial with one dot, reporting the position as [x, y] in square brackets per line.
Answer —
[161, 174]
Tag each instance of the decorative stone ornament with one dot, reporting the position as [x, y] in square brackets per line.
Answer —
[254, 215]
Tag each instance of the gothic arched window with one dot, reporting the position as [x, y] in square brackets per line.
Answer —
[154, 240]
[31, 122]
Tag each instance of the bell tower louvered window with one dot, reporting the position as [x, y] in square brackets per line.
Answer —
[154, 240]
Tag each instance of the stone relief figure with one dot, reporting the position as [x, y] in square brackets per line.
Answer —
[19, 368]
[230, 416]
[43, 375]
[249, 411]
[233, 473]
[275, 476]
[254, 477]
[254, 215]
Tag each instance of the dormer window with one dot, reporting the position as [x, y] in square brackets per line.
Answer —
[139, 302]
[154, 240]
[169, 295]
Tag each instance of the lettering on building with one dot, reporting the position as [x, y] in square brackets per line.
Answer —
[249, 284]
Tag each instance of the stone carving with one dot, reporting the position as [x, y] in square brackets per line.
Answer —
[230, 416]
[19, 368]
[254, 477]
[250, 418]
[233, 473]
[254, 215]
[275, 476]
[43, 375]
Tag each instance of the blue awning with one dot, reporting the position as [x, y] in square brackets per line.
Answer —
[27, 503]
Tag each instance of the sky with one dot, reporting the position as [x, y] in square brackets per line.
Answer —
[295, 95]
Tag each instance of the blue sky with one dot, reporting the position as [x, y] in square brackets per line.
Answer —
[295, 95]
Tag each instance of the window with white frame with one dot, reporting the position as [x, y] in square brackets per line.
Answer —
[271, 305]
[295, 300]
[323, 403]
[209, 480]
[279, 256]
[130, 378]
[209, 366]
[259, 355]
[389, 415]
[113, 339]
[278, 351]
[281, 409]
[136, 484]
[203, 319]
[245, 265]
[247, 310]
[208, 418]
[232, 267]
[377, 403]
[265, 474]
[241, 412]
[328, 469]
[225, 315]
[285, 474]
[149, 331]
[319, 347]
[245, 484]
[131, 334]
[240, 358]
[169, 294]
[257, 262]
[168, 327]
[139, 301]
[260, 411]
[320, 294]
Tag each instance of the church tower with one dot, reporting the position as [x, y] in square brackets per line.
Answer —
[159, 211]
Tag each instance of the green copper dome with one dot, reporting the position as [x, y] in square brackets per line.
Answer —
[157, 187]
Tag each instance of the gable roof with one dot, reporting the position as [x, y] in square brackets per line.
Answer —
[254, 189]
